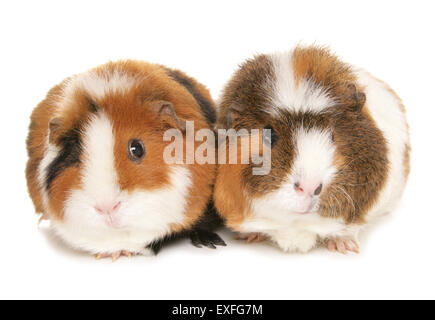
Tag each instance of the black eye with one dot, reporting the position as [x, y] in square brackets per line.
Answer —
[273, 137]
[136, 150]
[332, 136]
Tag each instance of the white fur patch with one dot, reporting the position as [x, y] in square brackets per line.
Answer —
[144, 216]
[314, 156]
[279, 214]
[99, 178]
[303, 96]
[385, 110]
[96, 85]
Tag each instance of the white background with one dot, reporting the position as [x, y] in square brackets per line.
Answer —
[43, 42]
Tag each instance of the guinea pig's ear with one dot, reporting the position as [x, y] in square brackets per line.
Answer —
[354, 97]
[54, 128]
[166, 111]
[231, 114]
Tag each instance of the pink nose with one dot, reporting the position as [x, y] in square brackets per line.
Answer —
[311, 189]
[108, 208]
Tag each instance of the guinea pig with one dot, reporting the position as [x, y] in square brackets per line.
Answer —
[339, 150]
[96, 168]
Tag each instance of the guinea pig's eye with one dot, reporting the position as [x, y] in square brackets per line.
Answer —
[136, 150]
[332, 136]
[271, 140]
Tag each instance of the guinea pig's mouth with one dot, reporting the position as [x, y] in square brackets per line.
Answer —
[311, 208]
[303, 212]
[113, 223]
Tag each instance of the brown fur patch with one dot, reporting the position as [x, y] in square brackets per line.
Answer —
[364, 167]
[32, 184]
[325, 69]
[229, 195]
[35, 143]
[248, 89]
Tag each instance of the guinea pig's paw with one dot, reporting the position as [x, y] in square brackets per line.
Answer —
[296, 241]
[206, 238]
[343, 245]
[115, 255]
[251, 237]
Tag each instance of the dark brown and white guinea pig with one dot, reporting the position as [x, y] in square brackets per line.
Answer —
[96, 168]
[339, 150]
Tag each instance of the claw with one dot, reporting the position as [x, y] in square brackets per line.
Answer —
[251, 237]
[115, 256]
[217, 240]
[210, 245]
[99, 256]
[343, 245]
[208, 239]
[127, 254]
[332, 246]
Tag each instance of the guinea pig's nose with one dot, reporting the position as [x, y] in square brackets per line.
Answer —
[107, 208]
[308, 188]
[298, 187]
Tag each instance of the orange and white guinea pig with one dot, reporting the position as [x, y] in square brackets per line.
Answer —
[96, 168]
[339, 150]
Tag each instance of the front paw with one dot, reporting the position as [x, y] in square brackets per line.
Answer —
[343, 245]
[205, 238]
[296, 241]
[115, 255]
[123, 253]
[251, 237]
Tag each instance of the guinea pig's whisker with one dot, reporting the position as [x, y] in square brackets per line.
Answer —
[338, 206]
[354, 184]
[336, 200]
[348, 197]
[347, 164]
